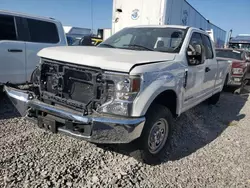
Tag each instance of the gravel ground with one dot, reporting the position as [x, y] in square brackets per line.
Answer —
[210, 148]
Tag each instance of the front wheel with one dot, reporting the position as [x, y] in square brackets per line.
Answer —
[155, 138]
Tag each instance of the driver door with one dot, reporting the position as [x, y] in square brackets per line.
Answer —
[195, 76]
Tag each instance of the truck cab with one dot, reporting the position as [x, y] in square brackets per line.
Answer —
[128, 88]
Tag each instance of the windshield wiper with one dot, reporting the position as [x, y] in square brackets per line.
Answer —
[139, 46]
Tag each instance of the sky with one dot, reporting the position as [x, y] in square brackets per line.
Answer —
[227, 14]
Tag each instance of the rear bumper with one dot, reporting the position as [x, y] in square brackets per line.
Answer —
[95, 128]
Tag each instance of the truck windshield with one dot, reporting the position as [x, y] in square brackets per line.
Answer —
[150, 39]
[232, 54]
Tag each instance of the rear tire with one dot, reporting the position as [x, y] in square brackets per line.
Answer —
[155, 138]
[214, 99]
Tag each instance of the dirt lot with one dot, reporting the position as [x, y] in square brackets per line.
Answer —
[210, 148]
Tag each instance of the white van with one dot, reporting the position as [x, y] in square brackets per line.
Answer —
[21, 37]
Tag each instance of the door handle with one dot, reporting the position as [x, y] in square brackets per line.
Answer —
[207, 69]
[15, 50]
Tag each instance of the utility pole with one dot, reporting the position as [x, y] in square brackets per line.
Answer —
[229, 37]
[92, 19]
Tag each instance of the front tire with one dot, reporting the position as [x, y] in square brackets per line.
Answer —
[155, 138]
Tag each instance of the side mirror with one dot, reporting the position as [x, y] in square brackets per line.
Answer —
[194, 54]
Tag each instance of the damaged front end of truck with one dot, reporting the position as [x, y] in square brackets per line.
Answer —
[79, 101]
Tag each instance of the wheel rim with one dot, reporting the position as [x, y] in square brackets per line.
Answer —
[158, 136]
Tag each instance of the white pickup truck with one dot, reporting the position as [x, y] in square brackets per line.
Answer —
[129, 88]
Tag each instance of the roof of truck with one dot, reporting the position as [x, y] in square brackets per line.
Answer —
[162, 26]
[13, 13]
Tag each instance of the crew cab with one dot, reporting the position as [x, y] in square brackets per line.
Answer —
[129, 88]
[239, 64]
[22, 36]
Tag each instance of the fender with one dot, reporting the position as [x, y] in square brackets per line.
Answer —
[151, 89]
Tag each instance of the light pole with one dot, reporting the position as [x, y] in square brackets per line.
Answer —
[229, 37]
[92, 22]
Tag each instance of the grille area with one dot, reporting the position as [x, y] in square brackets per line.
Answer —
[80, 88]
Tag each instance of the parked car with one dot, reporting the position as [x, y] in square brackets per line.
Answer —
[239, 63]
[128, 88]
[21, 37]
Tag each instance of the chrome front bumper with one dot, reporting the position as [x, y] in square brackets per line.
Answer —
[100, 128]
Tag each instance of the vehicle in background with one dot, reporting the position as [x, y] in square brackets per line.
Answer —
[104, 33]
[239, 64]
[96, 40]
[21, 37]
[126, 89]
[87, 41]
[75, 34]
[162, 12]
[241, 41]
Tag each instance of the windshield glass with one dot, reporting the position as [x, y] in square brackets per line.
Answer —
[232, 54]
[240, 46]
[150, 39]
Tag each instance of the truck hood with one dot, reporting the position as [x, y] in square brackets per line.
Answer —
[121, 60]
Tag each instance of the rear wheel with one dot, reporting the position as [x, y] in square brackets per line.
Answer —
[155, 139]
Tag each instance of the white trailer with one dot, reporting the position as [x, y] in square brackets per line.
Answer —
[162, 12]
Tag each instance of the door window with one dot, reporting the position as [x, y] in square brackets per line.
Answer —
[42, 32]
[195, 50]
[196, 39]
[7, 28]
[208, 47]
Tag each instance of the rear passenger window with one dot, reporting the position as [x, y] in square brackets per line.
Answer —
[43, 32]
[208, 47]
[7, 28]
